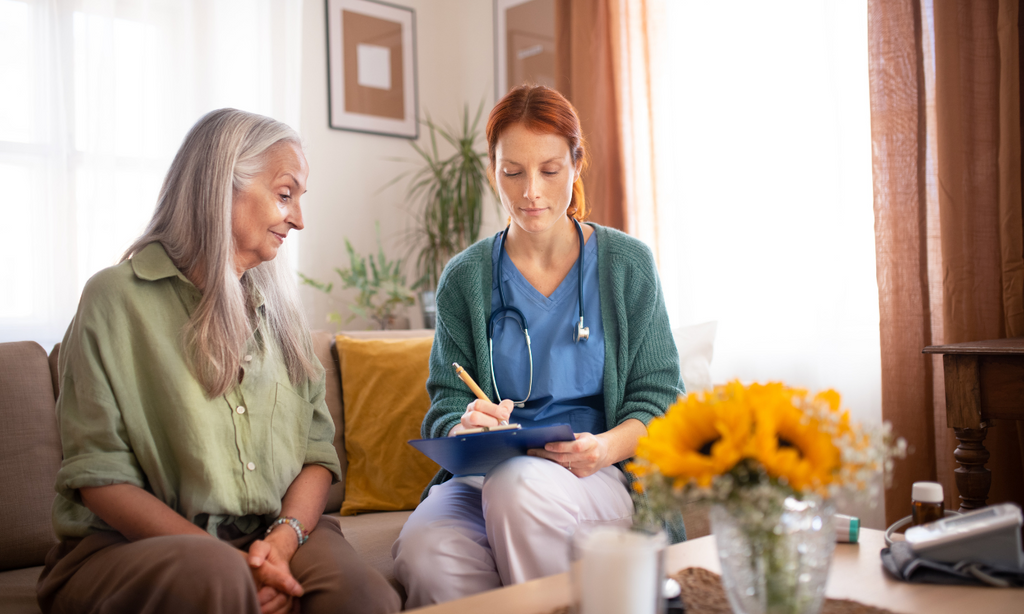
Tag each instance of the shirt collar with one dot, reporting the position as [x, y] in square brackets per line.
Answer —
[152, 263]
[258, 299]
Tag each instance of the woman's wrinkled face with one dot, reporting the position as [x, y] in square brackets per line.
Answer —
[264, 212]
[534, 173]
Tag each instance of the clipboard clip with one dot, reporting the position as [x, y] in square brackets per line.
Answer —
[486, 429]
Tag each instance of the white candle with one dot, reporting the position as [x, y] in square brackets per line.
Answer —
[617, 571]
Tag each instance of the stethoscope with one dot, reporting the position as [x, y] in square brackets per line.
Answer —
[579, 331]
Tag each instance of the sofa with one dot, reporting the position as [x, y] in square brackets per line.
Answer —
[30, 455]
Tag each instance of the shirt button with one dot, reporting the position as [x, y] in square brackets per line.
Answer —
[240, 409]
[251, 466]
[248, 357]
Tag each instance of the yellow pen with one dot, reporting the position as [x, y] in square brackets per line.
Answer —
[472, 385]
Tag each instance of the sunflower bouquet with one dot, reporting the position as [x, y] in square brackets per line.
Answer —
[749, 447]
[769, 459]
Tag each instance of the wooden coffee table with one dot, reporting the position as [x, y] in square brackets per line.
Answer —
[856, 574]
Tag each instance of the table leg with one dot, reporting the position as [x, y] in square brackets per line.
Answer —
[973, 480]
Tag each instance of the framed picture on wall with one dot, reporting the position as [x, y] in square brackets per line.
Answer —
[371, 67]
[524, 41]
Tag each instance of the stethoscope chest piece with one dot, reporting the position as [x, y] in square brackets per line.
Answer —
[580, 332]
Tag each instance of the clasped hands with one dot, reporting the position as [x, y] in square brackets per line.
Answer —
[585, 456]
[269, 560]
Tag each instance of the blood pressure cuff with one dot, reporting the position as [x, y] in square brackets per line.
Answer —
[902, 563]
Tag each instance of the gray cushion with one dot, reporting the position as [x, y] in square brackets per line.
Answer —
[31, 454]
[371, 535]
[18, 591]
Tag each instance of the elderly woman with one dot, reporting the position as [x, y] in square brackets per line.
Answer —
[197, 443]
[600, 356]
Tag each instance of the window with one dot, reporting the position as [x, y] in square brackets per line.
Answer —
[103, 94]
[765, 218]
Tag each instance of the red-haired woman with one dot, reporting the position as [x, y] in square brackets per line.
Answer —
[599, 356]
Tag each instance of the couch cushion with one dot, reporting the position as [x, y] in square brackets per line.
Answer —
[323, 346]
[372, 535]
[54, 376]
[696, 345]
[385, 399]
[30, 455]
[18, 591]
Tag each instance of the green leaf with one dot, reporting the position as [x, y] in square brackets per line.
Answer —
[325, 288]
[381, 287]
[448, 193]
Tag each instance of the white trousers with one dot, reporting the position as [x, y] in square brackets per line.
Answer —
[472, 534]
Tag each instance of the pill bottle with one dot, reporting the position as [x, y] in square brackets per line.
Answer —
[927, 502]
[847, 528]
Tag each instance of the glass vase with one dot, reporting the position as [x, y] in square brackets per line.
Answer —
[775, 562]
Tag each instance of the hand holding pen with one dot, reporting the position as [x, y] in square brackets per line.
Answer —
[481, 412]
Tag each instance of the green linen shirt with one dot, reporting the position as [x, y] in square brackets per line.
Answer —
[130, 411]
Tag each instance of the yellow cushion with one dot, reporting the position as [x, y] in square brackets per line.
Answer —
[383, 384]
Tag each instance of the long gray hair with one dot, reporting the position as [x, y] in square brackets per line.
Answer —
[220, 156]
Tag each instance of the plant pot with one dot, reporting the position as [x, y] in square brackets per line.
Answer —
[777, 562]
[429, 309]
[396, 323]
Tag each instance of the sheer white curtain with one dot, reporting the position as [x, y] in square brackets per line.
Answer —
[763, 219]
[95, 97]
[764, 212]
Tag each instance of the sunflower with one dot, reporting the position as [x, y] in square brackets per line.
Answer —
[752, 446]
[831, 400]
[792, 442]
[701, 436]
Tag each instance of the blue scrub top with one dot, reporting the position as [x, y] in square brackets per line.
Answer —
[568, 377]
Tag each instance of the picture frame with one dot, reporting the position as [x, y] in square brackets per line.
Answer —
[371, 68]
[524, 44]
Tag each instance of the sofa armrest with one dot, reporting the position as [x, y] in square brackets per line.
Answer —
[323, 346]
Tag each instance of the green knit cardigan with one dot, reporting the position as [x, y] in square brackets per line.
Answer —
[641, 365]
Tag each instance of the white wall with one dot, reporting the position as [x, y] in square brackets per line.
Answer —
[455, 66]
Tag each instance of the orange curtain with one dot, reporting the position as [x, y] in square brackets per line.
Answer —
[639, 55]
[977, 105]
[945, 130]
[584, 75]
[905, 257]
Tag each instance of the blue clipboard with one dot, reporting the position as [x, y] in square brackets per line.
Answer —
[478, 453]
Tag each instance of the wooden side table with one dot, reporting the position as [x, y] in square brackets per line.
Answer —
[984, 380]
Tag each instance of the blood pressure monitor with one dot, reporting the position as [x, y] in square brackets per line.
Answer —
[990, 535]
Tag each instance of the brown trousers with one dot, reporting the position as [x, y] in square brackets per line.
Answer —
[181, 574]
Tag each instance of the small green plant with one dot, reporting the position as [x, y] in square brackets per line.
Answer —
[447, 194]
[380, 282]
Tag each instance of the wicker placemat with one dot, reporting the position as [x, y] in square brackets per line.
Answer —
[702, 593]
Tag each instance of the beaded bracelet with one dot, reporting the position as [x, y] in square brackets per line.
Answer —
[294, 523]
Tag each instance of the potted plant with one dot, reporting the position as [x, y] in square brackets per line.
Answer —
[447, 193]
[380, 282]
